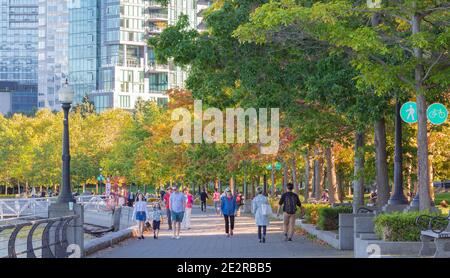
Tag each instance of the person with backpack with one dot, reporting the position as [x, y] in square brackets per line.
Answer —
[203, 198]
[262, 210]
[290, 201]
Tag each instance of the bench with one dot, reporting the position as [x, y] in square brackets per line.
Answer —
[435, 230]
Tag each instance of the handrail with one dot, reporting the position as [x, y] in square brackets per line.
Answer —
[364, 210]
[433, 223]
[20, 208]
[58, 240]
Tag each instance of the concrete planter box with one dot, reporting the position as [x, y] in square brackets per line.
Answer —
[347, 231]
[329, 237]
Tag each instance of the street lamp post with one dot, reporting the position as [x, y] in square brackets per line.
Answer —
[398, 197]
[66, 97]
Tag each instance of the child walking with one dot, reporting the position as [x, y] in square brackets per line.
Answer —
[157, 214]
[140, 214]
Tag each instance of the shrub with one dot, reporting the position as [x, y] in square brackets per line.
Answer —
[312, 212]
[398, 226]
[328, 218]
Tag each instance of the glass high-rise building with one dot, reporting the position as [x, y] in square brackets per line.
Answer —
[108, 55]
[84, 46]
[109, 60]
[18, 55]
[53, 61]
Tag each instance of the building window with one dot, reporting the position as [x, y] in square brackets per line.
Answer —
[124, 101]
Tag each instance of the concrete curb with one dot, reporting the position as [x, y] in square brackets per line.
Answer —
[327, 236]
[106, 241]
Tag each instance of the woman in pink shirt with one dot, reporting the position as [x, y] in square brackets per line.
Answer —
[186, 224]
[216, 199]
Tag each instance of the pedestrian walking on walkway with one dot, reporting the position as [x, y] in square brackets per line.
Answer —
[167, 202]
[290, 201]
[157, 215]
[228, 207]
[203, 198]
[262, 210]
[239, 202]
[140, 214]
[216, 199]
[186, 224]
[177, 204]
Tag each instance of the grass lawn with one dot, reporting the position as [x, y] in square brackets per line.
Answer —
[438, 198]
[442, 196]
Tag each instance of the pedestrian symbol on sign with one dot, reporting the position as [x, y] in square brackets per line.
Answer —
[411, 112]
[408, 112]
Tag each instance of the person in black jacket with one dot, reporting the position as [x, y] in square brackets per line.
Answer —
[203, 198]
[290, 201]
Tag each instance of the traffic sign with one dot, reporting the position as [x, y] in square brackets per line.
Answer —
[277, 166]
[408, 112]
[437, 113]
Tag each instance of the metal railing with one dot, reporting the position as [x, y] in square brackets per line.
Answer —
[38, 207]
[54, 240]
[365, 210]
[158, 16]
[16, 208]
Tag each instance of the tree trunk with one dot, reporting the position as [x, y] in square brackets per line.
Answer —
[331, 176]
[273, 178]
[422, 138]
[285, 175]
[318, 173]
[294, 174]
[381, 163]
[255, 185]
[323, 179]
[307, 176]
[358, 182]
[340, 185]
[232, 184]
[409, 179]
[430, 170]
[265, 184]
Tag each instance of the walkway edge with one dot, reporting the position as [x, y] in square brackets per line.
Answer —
[95, 245]
[329, 237]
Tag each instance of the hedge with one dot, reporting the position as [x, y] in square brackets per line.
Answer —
[398, 226]
[312, 212]
[328, 219]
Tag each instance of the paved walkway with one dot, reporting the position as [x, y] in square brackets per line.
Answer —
[207, 239]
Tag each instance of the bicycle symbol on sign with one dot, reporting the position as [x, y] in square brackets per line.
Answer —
[437, 113]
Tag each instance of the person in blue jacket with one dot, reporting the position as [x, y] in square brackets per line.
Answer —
[229, 207]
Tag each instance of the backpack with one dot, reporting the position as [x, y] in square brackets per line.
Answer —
[238, 198]
[290, 203]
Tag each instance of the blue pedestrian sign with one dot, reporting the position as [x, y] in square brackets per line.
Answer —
[408, 112]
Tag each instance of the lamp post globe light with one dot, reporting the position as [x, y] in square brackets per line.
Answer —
[66, 95]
